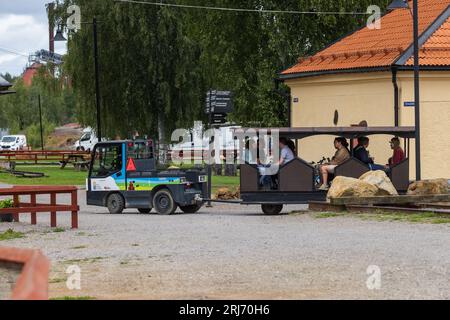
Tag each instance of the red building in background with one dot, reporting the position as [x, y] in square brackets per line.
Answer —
[30, 72]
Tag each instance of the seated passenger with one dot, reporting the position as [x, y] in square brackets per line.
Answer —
[399, 154]
[362, 154]
[342, 155]
[287, 150]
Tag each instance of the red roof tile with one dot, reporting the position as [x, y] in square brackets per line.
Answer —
[368, 48]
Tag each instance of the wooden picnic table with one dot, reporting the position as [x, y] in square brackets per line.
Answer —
[80, 162]
[33, 207]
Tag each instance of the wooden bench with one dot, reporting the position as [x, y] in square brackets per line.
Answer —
[33, 207]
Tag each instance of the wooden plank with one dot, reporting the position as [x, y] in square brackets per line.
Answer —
[377, 209]
[318, 206]
[61, 208]
[390, 200]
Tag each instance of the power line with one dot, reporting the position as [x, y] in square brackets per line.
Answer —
[185, 6]
[13, 52]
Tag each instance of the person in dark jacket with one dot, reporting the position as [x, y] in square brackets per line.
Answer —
[362, 154]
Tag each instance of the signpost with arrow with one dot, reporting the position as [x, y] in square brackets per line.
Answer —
[218, 105]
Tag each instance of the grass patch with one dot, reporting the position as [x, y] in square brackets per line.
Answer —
[10, 234]
[58, 230]
[327, 215]
[79, 247]
[66, 298]
[68, 176]
[425, 218]
[56, 280]
[86, 260]
[55, 176]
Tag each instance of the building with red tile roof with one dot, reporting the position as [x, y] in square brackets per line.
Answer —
[367, 76]
[389, 46]
[30, 73]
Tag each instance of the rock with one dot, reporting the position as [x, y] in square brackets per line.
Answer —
[350, 187]
[428, 187]
[227, 194]
[381, 181]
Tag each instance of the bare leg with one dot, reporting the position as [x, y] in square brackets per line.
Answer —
[324, 172]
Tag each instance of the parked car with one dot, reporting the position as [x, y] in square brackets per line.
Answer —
[13, 143]
[87, 141]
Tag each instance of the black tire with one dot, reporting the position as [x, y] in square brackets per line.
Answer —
[6, 218]
[115, 203]
[272, 209]
[163, 203]
[191, 209]
[145, 211]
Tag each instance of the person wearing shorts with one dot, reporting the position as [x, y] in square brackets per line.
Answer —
[342, 155]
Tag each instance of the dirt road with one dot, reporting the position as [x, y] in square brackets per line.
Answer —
[232, 252]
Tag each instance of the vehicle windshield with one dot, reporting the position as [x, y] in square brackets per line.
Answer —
[9, 139]
[107, 160]
[86, 137]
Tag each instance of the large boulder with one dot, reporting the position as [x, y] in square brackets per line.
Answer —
[381, 181]
[226, 194]
[350, 187]
[428, 187]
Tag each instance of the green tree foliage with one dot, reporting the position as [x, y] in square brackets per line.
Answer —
[157, 63]
[19, 112]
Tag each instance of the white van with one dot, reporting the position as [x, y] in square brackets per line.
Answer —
[87, 141]
[13, 143]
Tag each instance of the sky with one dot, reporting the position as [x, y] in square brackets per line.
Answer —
[23, 30]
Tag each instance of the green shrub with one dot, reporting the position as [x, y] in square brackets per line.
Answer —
[7, 203]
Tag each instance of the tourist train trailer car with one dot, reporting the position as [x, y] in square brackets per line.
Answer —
[297, 179]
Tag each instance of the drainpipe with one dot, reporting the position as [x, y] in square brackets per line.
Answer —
[396, 97]
[288, 98]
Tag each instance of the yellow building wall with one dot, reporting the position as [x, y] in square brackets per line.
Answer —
[435, 120]
[356, 97]
[370, 97]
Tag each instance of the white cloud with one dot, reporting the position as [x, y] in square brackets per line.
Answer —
[24, 30]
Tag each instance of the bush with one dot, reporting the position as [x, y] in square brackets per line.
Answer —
[8, 203]
[33, 133]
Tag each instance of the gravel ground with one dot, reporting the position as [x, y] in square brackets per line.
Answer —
[234, 252]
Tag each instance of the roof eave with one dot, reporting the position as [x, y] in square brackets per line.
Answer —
[291, 76]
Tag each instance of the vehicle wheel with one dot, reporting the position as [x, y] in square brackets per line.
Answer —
[272, 209]
[145, 211]
[6, 218]
[163, 202]
[191, 209]
[115, 203]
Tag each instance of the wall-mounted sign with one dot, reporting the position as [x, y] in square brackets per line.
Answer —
[296, 100]
[409, 104]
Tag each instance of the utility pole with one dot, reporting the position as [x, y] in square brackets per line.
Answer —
[209, 205]
[417, 89]
[40, 122]
[97, 80]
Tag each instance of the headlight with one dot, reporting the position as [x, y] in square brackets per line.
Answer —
[202, 179]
